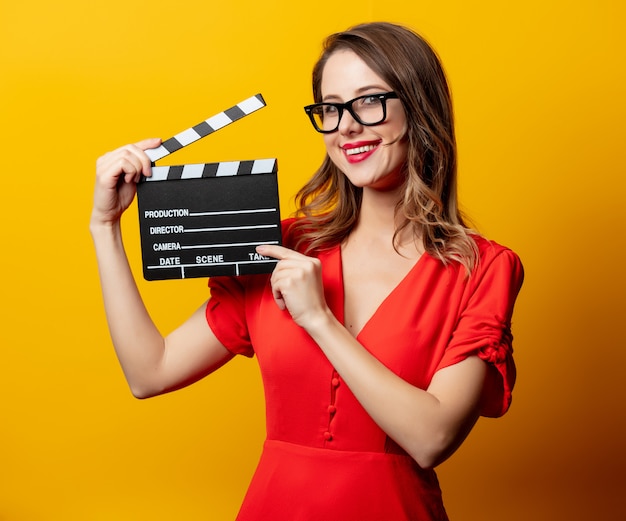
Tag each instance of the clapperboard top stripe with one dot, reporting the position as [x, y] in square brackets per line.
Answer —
[207, 127]
[221, 169]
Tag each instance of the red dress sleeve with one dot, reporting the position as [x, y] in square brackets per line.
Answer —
[484, 325]
[226, 314]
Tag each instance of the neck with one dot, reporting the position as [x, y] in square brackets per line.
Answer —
[378, 222]
[378, 210]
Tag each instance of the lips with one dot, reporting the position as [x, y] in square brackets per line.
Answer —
[359, 151]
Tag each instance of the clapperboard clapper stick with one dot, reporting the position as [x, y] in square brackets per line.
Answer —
[205, 220]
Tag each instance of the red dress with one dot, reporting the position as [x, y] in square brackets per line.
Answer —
[324, 457]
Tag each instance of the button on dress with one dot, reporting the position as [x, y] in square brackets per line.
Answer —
[324, 457]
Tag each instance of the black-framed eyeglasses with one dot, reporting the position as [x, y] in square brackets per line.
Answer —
[368, 110]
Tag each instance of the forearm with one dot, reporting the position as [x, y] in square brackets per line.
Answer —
[418, 420]
[138, 343]
[428, 424]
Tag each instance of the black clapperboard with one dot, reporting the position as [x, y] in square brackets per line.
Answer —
[205, 220]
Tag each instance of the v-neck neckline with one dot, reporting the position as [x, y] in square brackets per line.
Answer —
[339, 310]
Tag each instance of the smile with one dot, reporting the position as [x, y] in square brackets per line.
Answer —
[359, 150]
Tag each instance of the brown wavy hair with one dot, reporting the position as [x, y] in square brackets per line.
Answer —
[328, 203]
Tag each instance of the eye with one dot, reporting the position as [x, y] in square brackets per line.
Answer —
[370, 101]
[329, 110]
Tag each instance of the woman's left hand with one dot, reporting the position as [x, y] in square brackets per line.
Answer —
[297, 285]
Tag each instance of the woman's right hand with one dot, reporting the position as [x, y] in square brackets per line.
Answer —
[117, 175]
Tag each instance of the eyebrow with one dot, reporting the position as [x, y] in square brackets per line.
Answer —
[360, 92]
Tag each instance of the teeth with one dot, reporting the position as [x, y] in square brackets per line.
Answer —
[359, 150]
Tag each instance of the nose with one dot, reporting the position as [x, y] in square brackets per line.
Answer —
[349, 125]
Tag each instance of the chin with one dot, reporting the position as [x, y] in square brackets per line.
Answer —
[386, 183]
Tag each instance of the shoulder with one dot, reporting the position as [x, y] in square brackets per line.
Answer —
[494, 257]
[489, 251]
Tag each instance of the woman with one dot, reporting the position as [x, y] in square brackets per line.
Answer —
[383, 332]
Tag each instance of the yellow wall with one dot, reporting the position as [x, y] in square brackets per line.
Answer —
[539, 92]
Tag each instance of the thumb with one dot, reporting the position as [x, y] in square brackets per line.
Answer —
[147, 144]
[280, 301]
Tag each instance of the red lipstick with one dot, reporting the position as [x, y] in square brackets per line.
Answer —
[359, 150]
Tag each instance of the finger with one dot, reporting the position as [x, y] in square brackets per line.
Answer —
[147, 144]
[130, 169]
[121, 159]
[277, 293]
[129, 164]
[277, 252]
[146, 162]
[135, 155]
[280, 301]
[116, 166]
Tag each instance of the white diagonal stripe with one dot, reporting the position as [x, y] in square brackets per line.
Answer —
[187, 136]
[192, 171]
[157, 153]
[251, 104]
[263, 166]
[159, 173]
[227, 168]
[218, 121]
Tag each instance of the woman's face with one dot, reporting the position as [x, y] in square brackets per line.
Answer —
[370, 156]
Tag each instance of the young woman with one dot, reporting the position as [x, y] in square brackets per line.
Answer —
[383, 332]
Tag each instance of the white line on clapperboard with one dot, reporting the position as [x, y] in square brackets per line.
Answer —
[209, 246]
[230, 212]
[231, 228]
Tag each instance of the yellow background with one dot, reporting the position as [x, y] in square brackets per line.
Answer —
[539, 96]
